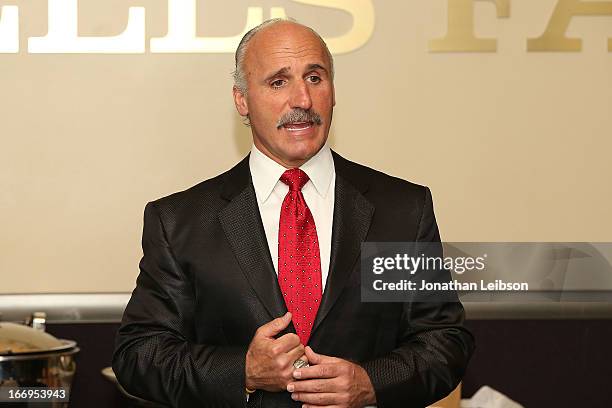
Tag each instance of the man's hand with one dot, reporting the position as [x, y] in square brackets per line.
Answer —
[331, 381]
[269, 361]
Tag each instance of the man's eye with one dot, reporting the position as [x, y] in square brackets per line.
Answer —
[315, 79]
[278, 83]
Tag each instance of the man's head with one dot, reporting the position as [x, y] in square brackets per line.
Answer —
[284, 84]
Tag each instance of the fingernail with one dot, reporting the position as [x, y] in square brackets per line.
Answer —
[297, 374]
[294, 396]
[290, 387]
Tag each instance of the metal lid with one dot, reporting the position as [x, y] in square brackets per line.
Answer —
[18, 339]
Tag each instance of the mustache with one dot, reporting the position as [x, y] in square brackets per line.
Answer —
[299, 115]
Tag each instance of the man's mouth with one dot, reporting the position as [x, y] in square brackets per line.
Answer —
[295, 126]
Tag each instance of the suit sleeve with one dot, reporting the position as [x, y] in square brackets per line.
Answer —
[433, 346]
[155, 355]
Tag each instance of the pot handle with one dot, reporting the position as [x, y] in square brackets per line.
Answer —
[37, 320]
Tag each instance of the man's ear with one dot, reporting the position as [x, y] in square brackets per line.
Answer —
[333, 95]
[240, 102]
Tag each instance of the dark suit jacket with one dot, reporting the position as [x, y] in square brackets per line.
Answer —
[207, 282]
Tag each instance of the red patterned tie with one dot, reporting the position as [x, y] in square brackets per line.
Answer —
[299, 263]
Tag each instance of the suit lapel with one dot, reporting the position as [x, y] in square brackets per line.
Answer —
[244, 230]
[243, 227]
[352, 216]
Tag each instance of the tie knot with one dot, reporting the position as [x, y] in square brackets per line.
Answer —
[295, 179]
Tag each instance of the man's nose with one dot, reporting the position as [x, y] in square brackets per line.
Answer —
[300, 96]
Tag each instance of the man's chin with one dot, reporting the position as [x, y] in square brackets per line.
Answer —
[297, 157]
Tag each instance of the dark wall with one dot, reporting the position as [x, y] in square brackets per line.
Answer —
[96, 341]
[544, 363]
[538, 363]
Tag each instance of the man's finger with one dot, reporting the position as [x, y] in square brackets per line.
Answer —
[316, 358]
[273, 327]
[297, 353]
[317, 371]
[324, 398]
[287, 342]
[321, 406]
[315, 385]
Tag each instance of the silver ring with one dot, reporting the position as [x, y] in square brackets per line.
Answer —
[300, 364]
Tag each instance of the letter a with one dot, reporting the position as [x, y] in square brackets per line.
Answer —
[554, 38]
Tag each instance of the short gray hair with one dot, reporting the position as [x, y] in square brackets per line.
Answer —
[240, 81]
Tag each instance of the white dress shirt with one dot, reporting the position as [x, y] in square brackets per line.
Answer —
[318, 193]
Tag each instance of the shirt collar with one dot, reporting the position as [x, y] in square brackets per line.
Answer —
[266, 173]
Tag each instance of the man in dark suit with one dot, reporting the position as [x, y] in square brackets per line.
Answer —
[215, 318]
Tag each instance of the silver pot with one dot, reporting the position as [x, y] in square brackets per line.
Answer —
[32, 359]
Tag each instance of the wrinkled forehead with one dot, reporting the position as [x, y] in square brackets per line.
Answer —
[285, 45]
